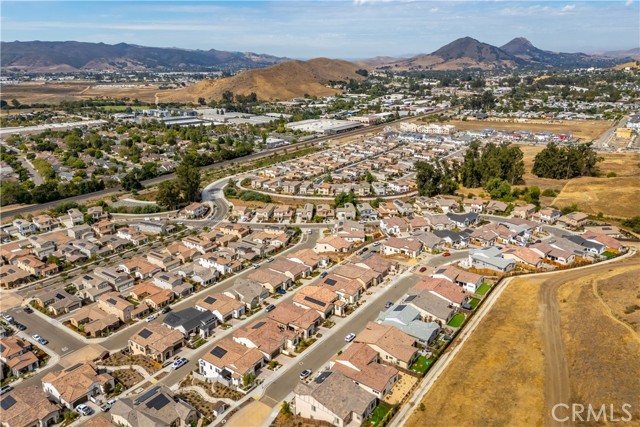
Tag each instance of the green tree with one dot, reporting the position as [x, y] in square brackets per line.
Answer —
[131, 181]
[188, 179]
[169, 194]
[343, 198]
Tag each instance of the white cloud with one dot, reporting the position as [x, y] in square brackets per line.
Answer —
[568, 8]
[628, 3]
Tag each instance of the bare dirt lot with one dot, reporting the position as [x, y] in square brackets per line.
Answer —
[546, 340]
[584, 129]
[56, 92]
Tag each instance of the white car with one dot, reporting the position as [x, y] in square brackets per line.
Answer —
[152, 317]
[84, 410]
[376, 243]
[350, 337]
[179, 362]
[8, 318]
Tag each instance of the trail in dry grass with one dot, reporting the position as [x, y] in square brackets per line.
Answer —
[609, 313]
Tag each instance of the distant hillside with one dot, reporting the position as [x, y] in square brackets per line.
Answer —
[283, 81]
[37, 56]
[630, 53]
[469, 53]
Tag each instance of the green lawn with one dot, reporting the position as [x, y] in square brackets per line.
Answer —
[421, 364]
[456, 320]
[378, 415]
[473, 302]
[120, 108]
[483, 289]
[609, 255]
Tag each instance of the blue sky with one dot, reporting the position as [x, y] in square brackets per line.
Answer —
[337, 29]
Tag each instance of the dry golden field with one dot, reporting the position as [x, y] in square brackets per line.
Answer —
[584, 129]
[56, 92]
[502, 375]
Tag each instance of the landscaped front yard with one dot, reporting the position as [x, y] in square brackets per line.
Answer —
[483, 289]
[456, 321]
[473, 302]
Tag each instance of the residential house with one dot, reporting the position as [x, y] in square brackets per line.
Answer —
[367, 213]
[574, 219]
[333, 244]
[18, 356]
[316, 298]
[76, 384]
[248, 292]
[524, 212]
[347, 212]
[462, 220]
[491, 259]
[191, 321]
[28, 406]
[394, 346]
[430, 307]
[524, 257]
[336, 400]
[547, 215]
[43, 223]
[295, 318]
[120, 281]
[156, 342]
[267, 337]
[195, 210]
[360, 363]
[113, 303]
[223, 307]
[155, 408]
[442, 288]
[229, 362]
[306, 213]
[271, 280]
[24, 227]
[58, 302]
[496, 207]
[408, 319]
[469, 281]
[402, 246]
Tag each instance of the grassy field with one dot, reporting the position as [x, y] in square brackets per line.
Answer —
[456, 320]
[617, 196]
[503, 386]
[483, 289]
[583, 129]
[420, 365]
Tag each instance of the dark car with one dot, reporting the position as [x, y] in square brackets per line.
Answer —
[28, 310]
[388, 304]
[19, 326]
[422, 269]
[446, 254]
[282, 291]
[166, 310]
[270, 307]
[323, 274]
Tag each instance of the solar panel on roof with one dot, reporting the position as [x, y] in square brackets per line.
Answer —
[2, 347]
[145, 333]
[258, 325]
[218, 352]
[60, 296]
[74, 367]
[330, 282]
[147, 395]
[400, 307]
[158, 402]
[210, 300]
[410, 298]
[314, 301]
[87, 277]
[111, 301]
[7, 403]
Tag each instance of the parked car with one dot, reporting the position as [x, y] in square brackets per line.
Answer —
[84, 410]
[270, 307]
[166, 310]
[109, 403]
[5, 389]
[281, 291]
[323, 274]
[304, 374]
[19, 326]
[422, 269]
[39, 339]
[179, 362]
[376, 243]
[350, 337]
[270, 260]
[152, 317]
[446, 254]
[256, 266]
[28, 310]
[8, 318]
[388, 304]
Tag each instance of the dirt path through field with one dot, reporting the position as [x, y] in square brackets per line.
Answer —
[557, 385]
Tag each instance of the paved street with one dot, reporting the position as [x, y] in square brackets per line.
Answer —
[319, 353]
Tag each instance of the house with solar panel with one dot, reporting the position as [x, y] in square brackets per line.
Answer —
[228, 362]
[28, 406]
[156, 342]
[58, 301]
[268, 337]
[156, 407]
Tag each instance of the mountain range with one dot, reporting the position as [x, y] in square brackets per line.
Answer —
[69, 56]
[469, 53]
[463, 53]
